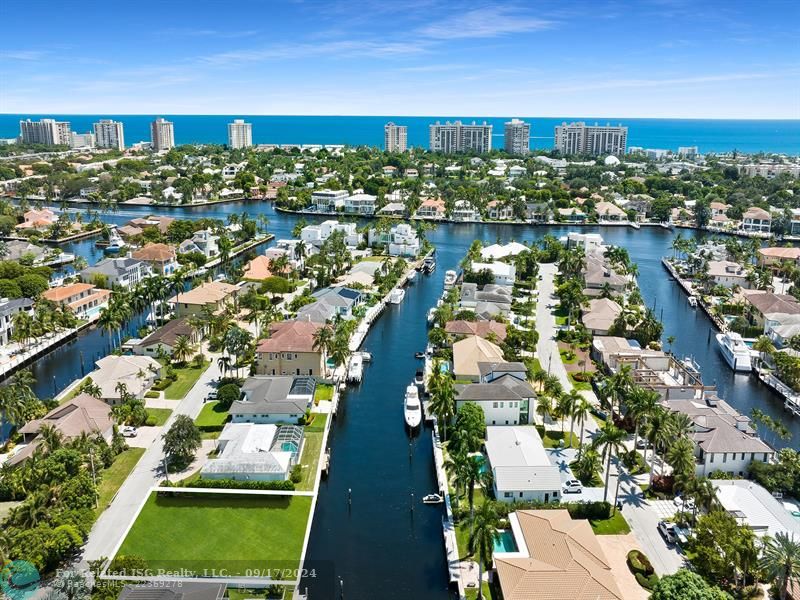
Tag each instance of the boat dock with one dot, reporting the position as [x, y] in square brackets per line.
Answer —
[448, 524]
[718, 322]
[791, 399]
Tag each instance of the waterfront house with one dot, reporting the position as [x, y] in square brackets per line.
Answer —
[360, 204]
[329, 200]
[763, 309]
[484, 329]
[775, 257]
[600, 315]
[521, 469]
[727, 274]
[502, 273]
[137, 373]
[500, 211]
[260, 268]
[290, 350]
[719, 209]
[400, 240]
[8, 309]
[755, 508]
[554, 556]
[161, 258]
[592, 243]
[782, 328]
[431, 208]
[464, 211]
[123, 273]
[206, 242]
[608, 211]
[329, 303]
[215, 295]
[505, 400]
[498, 251]
[470, 351]
[572, 215]
[489, 302]
[83, 299]
[81, 415]
[598, 274]
[724, 439]
[25, 252]
[756, 220]
[393, 209]
[315, 235]
[255, 452]
[37, 219]
[538, 212]
[273, 399]
[165, 337]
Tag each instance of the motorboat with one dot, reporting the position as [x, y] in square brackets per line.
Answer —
[692, 301]
[429, 264]
[450, 279]
[419, 377]
[396, 295]
[412, 408]
[115, 243]
[734, 351]
[356, 368]
[431, 316]
[432, 499]
[419, 355]
[412, 277]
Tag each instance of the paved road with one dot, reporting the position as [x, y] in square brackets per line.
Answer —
[112, 524]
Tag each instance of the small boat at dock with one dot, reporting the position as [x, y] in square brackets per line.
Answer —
[412, 277]
[419, 377]
[429, 265]
[431, 316]
[692, 301]
[412, 408]
[355, 370]
[450, 278]
[432, 499]
[419, 355]
[396, 296]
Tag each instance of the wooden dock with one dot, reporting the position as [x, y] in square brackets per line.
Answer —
[791, 399]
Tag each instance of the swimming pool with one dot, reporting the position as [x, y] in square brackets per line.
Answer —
[505, 542]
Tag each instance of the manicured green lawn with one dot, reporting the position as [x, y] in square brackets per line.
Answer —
[551, 438]
[159, 416]
[615, 525]
[114, 476]
[324, 391]
[220, 531]
[472, 594]
[566, 358]
[581, 386]
[311, 451]
[187, 377]
[373, 259]
[212, 415]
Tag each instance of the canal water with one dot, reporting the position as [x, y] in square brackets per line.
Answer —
[377, 545]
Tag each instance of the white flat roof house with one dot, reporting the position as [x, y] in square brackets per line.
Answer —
[753, 506]
[255, 452]
[520, 467]
[504, 273]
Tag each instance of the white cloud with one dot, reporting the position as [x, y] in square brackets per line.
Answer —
[487, 22]
[22, 54]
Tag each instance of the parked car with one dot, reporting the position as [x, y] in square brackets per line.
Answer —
[642, 443]
[128, 431]
[572, 486]
[667, 531]
[212, 395]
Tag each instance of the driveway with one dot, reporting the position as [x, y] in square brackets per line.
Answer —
[616, 548]
[561, 457]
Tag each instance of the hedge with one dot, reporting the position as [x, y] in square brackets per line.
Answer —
[596, 511]
[642, 569]
[285, 486]
[647, 583]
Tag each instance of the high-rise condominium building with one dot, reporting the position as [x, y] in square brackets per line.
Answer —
[47, 131]
[457, 137]
[517, 137]
[240, 134]
[83, 140]
[109, 134]
[395, 137]
[580, 138]
[162, 135]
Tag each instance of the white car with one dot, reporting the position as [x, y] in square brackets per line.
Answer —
[678, 501]
[212, 395]
[572, 486]
[668, 532]
[128, 431]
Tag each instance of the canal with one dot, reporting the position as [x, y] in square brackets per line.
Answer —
[377, 545]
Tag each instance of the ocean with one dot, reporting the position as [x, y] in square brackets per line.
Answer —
[709, 135]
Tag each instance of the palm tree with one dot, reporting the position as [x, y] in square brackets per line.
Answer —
[583, 409]
[588, 463]
[764, 346]
[482, 538]
[183, 349]
[610, 440]
[781, 561]
[443, 401]
[52, 438]
[323, 341]
[680, 456]
[224, 363]
[658, 435]
[641, 404]
[566, 408]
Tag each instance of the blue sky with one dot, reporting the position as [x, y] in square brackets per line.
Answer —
[609, 58]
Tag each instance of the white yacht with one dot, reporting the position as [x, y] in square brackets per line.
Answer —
[692, 301]
[396, 295]
[450, 279]
[412, 277]
[355, 369]
[115, 242]
[412, 408]
[734, 350]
